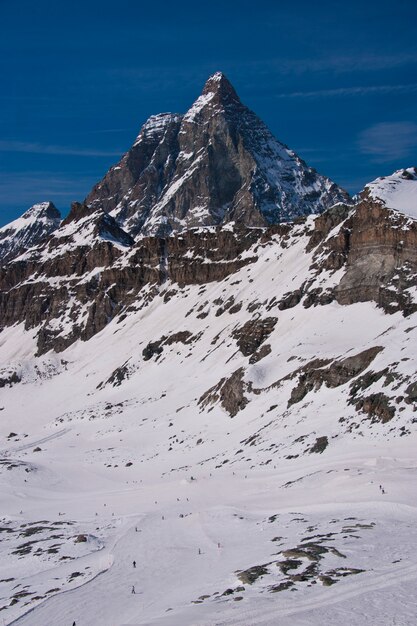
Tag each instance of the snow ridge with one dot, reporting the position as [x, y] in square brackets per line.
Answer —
[29, 230]
[397, 191]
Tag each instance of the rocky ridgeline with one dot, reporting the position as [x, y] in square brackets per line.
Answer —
[216, 164]
[83, 287]
[73, 287]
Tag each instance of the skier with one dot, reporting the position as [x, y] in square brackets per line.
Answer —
[199, 551]
[133, 589]
[134, 564]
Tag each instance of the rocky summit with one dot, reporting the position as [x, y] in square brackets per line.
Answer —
[29, 230]
[216, 164]
[208, 389]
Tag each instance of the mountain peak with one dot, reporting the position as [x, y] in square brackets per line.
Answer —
[397, 191]
[218, 163]
[219, 85]
[29, 230]
[42, 210]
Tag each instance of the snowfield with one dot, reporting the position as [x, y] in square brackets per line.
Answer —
[398, 191]
[301, 512]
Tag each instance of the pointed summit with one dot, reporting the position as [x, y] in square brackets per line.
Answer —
[218, 163]
[42, 210]
[31, 229]
[223, 90]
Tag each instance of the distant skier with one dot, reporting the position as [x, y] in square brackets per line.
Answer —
[134, 564]
[133, 589]
[199, 551]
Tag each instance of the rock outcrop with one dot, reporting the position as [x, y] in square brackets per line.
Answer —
[380, 246]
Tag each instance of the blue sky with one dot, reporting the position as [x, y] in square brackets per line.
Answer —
[336, 82]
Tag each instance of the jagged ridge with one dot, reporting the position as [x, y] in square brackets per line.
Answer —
[217, 163]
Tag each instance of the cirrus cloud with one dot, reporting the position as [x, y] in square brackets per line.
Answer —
[37, 148]
[388, 141]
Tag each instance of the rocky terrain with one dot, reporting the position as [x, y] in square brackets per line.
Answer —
[216, 164]
[208, 367]
[29, 230]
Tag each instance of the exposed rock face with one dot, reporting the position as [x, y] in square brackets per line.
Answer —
[230, 392]
[90, 270]
[80, 279]
[252, 334]
[381, 252]
[312, 375]
[377, 407]
[85, 223]
[217, 163]
[133, 187]
[320, 445]
[29, 230]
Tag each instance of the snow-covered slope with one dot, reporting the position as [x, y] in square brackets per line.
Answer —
[216, 164]
[242, 427]
[29, 230]
[216, 426]
[397, 191]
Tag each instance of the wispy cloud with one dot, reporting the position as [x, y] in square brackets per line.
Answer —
[37, 148]
[346, 63]
[350, 91]
[388, 141]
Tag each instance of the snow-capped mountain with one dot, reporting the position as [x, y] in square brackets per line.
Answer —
[231, 408]
[32, 228]
[204, 426]
[216, 164]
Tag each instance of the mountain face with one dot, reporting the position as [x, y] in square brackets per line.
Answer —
[218, 163]
[191, 380]
[29, 230]
[245, 398]
[89, 271]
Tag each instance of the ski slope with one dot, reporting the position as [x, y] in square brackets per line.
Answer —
[241, 519]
